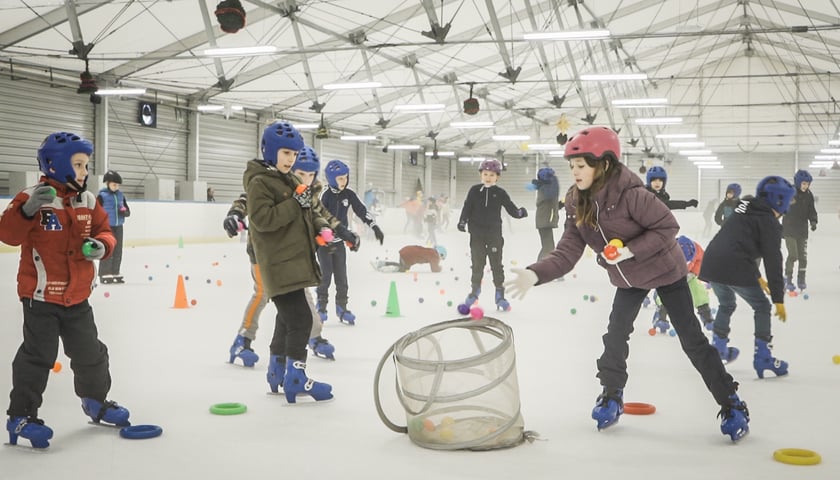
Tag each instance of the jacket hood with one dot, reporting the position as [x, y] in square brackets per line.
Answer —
[624, 181]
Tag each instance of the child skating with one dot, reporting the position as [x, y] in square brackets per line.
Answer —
[801, 214]
[113, 201]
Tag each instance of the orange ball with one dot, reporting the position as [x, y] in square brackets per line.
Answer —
[57, 367]
[219, 283]
[193, 302]
[442, 291]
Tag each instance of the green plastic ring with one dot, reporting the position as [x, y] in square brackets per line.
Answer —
[228, 408]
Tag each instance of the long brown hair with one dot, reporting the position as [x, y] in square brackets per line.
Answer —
[584, 203]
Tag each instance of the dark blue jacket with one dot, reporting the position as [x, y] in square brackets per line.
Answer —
[750, 234]
[339, 202]
[802, 211]
[111, 202]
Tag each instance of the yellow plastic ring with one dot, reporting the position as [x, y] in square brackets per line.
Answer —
[797, 456]
[228, 408]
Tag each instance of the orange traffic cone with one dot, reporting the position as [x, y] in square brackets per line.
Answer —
[180, 294]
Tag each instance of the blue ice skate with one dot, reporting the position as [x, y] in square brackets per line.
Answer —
[646, 302]
[608, 407]
[764, 360]
[322, 311]
[472, 297]
[345, 316]
[297, 383]
[30, 428]
[789, 286]
[241, 349]
[735, 419]
[660, 323]
[501, 303]
[321, 347]
[108, 412]
[727, 354]
[276, 372]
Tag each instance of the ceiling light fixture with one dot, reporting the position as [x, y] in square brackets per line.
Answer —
[305, 126]
[567, 35]
[351, 86]
[636, 102]
[609, 77]
[694, 153]
[358, 138]
[441, 154]
[834, 143]
[211, 108]
[702, 158]
[826, 157]
[830, 150]
[511, 138]
[241, 51]
[543, 146]
[709, 166]
[471, 124]
[429, 107]
[120, 91]
[659, 121]
[403, 147]
[676, 135]
[470, 159]
[687, 144]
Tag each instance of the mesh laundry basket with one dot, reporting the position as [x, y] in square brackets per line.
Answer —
[457, 382]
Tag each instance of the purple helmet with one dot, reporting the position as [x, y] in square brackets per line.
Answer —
[491, 164]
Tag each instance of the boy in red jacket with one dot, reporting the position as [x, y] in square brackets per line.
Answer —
[61, 230]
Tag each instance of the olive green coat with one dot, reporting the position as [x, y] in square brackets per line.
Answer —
[282, 233]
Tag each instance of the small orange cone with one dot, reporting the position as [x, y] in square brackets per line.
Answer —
[180, 294]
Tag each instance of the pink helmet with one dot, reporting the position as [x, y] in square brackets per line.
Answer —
[491, 164]
[594, 143]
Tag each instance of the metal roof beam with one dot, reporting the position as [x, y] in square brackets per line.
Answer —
[44, 22]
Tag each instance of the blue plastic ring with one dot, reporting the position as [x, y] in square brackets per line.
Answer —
[140, 432]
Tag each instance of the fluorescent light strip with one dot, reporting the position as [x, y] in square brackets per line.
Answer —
[703, 158]
[305, 126]
[640, 106]
[544, 146]
[826, 157]
[830, 150]
[822, 164]
[659, 121]
[431, 107]
[240, 51]
[640, 101]
[403, 147]
[511, 138]
[556, 153]
[608, 77]
[692, 153]
[715, 167]
[687, 144]
[834, 143]
[707, 162]
[441, 154]
[567, 35]
[120, 91]
[676, 135]
[470, 159]
[351, 86]
[211, 108]
[471, 124]
[358, 138]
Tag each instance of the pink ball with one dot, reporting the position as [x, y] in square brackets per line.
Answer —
[477, 313]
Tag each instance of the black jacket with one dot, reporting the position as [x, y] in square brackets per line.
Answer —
[725, 209]
[802, 211]
[751, 234]
[483, 209]
[666, 199]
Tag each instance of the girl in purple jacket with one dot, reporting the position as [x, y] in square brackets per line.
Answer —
[608, 202]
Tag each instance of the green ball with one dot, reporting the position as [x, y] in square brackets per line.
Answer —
[449, 303]
[586, 297]
[574, 311]
[88, 248]
[373, 303]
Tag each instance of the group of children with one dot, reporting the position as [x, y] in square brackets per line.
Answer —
[293, 230]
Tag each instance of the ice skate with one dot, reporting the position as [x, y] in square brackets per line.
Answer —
[501, 303]
[108, 412]
[706, 317]
[472, 297]
[345, 316]
[800, 281]
[276, 372]
[297, 383]
[322, 311]
[727, 354]
[789, 286]
[241, 349]
[763, 359]
[735, 419]
[106, 279]
[608, 407]
[30, 428]
[660, 322]
[321, 347]
[118, 279]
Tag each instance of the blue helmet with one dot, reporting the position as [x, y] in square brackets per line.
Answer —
[55, 152]
[802, 176]
[279, 135]
[735, 189]
[307, 160]
[441, 251]
[657, 172]
[545, 173]
[334, 169]
[777, 191]
[687, 246]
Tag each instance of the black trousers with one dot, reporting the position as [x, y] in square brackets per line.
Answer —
[612, 366]
[333, 261]
[487, 247]
[292, 325]
[111, 265]
[43, 324]
[546, 241]
[797, 251]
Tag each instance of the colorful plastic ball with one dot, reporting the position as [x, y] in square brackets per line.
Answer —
[193, 302]
[672, 332]
[463, 309]
[57, 367]
[219, 283]
[513, 262]
[186, 277]
[107, 294]
[573, 311]
[151, 278]
[586, 297]
[446, 434]
[146, 266]
[477, 313]
[428, 425]
[373, 303]
[447, 421]
[652, 332]
[449, 303]
[420, 300]
[836, 359]
[437, 282]
[456, 279]
[167, 265]
[805, 297]
[209, 281]
[442, 291]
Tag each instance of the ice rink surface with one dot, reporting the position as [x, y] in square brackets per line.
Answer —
[170, 365]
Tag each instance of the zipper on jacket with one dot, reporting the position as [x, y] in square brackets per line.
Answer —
[601, 231]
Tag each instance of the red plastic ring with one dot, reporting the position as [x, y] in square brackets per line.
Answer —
[638, 408]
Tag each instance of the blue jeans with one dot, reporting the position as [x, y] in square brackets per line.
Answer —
[756, 299]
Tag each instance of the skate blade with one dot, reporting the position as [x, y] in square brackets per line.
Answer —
[738, 438]
[28, 447]
[325, 357]
[108, 425]
[301, 399]
[239, 365]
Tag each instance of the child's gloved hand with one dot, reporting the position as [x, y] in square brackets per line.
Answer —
[41, 195]
[780, 311]
[692, 202]
[764, 286]
[324, 237]
[303, 195]
[522, 213]
[519, 286]
[533, 186]
[233, 225]
[462, 226]
[377, 232]
[93, 249]
[619, 255]
[353, 241]
[813, 227]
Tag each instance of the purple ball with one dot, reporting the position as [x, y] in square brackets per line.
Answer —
[463, 309]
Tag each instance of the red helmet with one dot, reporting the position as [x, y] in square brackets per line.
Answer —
[594, 143]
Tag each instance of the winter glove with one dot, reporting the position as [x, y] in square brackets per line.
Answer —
[780, 311]
[93, 249]
[326, 236]
[813, 227]
[462, 226]
[560, 205]
[533, 186]
[349, 237]
[522, 213]
[692, 202]
[303, 195]
[42, 195]
[519, 286]
[233, 225]
[377, 232]
[620, 255]
[764, 286]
